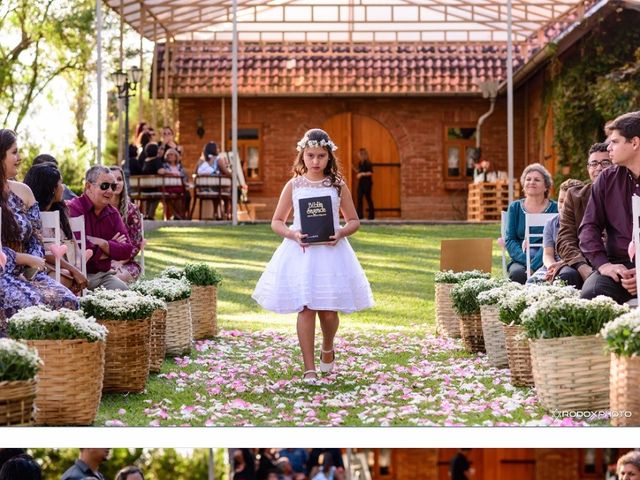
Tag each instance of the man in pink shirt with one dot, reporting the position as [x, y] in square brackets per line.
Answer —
[106, 233]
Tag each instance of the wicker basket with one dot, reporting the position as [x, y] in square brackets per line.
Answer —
[471, 331]
[518, 356]
[571, 373]
[447, 319]
[126, 365]
[204, 316]
[16, 402]
[179, 332]
[493, 336]
[157, 340]
[625, 391]
[70, 381]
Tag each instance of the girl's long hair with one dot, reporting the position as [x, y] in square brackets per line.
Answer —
[10, 230]
[332, 170]
[43, 180]
[123, 204]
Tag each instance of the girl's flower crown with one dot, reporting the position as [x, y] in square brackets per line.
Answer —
[306, 143]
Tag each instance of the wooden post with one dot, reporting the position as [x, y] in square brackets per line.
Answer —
[154, 76]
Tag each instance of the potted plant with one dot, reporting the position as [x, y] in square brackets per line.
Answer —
[570, 366]
[492, 328]
[623, 341]
[18, 369]
[464, 298]
[127, 316]
[204, 280]
[510, 306]
[447, 320]
[72, 348]
[176, 293]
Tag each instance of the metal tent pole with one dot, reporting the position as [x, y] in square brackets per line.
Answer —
[234, 116]
[509, 101]
[99, 80]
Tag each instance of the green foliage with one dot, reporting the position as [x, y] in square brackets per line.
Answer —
[592, 86]
[569, 317]
[449, 276]
[17, 361]
[464, 296]
[202, 274]
[623, 334]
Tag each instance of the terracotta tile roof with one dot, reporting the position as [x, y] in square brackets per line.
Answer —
[204, 68]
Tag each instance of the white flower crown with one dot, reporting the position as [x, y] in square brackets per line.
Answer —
[306, 143]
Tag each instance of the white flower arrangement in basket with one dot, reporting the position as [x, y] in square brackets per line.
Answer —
[554, 317]
[120, 304]
[623, 334]
[18, 362]
[492, 296]
[165, 288]
[515, 300]
[41, 323]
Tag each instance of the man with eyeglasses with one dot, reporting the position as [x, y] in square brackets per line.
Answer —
[577, 269]
[106, 233]
[609, 210]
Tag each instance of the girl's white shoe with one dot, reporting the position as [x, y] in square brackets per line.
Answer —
[327, 367]
[312, 379]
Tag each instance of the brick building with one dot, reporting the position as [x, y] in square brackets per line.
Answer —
[413, 105]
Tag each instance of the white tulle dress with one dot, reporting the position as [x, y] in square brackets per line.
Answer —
[320, 277]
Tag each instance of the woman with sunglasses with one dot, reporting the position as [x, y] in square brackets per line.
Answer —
[128, 271]
[23, 280]
[45, 182]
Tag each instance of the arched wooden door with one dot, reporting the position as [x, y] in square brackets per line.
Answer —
[352, 132]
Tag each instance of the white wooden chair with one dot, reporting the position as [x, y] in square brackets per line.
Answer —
[635, 235]
[79, 232]
[143, 245]
[503, 234]
[51, 235]
[534, 221]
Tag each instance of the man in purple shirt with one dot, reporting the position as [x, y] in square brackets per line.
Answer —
[106, 233]
[609, 209]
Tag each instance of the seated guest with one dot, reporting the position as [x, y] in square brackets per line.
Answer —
[536, 183]
[23, 280]
[609, 209]
[21, 467]
[153, 163]
[106, 233]
[46, 158]
[128, 271]
[553, 267]
[575, 204]
[173, 167]
[168, 141]
[46, 184]
[130, 473]
[211, 162]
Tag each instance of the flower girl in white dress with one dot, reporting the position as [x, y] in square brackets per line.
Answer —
[311, 278]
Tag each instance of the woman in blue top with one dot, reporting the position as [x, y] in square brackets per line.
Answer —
[536, 183]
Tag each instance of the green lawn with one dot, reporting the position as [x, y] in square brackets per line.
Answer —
[392, 371]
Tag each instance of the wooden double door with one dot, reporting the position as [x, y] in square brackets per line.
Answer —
[352, 132]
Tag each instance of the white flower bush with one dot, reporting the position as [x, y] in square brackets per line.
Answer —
[449, 276]
[515, 300]
[491, 297]
[120, 304]
[165, 288]
[18, 362]
[623, 334]
[41, 323]
[172, 272]
[555, 317]
[464, 296]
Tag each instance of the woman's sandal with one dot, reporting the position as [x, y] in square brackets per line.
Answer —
[310, 379]
[327, 367]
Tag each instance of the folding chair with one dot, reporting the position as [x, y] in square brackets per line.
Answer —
[143, 245]
[216, 188]
[51, 235]
[79, 232]
[534, 221]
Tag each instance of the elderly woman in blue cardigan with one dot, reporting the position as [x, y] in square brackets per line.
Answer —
[536, 183]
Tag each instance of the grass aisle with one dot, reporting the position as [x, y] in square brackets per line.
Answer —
[391, 370]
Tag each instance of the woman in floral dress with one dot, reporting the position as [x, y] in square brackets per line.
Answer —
[23, 280]
[130, 270]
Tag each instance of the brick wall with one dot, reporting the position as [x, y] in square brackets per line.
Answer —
[557, 464]
[416, 124]
[415, 463]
